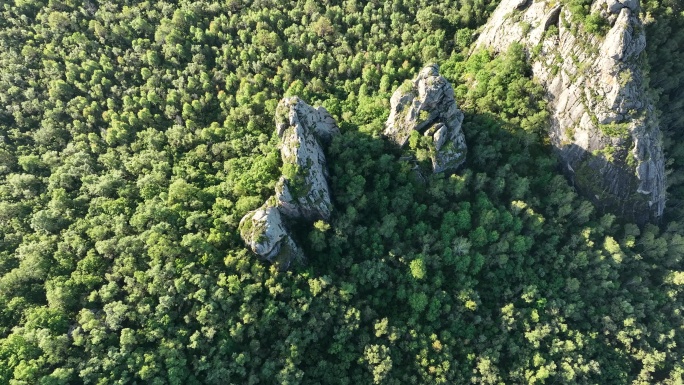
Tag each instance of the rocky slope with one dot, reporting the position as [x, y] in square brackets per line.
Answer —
[427, 105]
[302, 192]
[603, 124]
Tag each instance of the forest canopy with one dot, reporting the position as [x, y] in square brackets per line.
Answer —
[135, 135]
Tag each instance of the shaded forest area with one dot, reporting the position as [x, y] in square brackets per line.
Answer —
[135, 135]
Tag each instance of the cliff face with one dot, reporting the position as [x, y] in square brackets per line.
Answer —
[302, 192]
[427, 105]
[603, 125]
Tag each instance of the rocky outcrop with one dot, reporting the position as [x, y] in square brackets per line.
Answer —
[603, 125]
[427, 105]
[265, 232]
[293, 111]
[302, 192]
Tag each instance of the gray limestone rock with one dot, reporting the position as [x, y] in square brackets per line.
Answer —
[267, 235]
[603, 124]
[318, 119]
[427, 105]
[302, 191]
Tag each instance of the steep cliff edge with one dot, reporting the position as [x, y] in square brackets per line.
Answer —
[603, 125]
[302, 192]
[427, 105]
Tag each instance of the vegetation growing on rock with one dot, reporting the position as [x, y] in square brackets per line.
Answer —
[597, 95]
[135, 136]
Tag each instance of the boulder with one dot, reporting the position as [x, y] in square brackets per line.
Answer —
[603, 124]
[267, 235]
[427, 105]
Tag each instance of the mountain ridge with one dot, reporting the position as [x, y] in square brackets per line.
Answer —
[602, 123]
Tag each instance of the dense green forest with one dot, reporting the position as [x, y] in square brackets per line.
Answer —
[134, 136]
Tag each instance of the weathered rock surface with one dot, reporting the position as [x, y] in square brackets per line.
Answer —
[603, 124]
[267, 235]
[302, 192]
[427, 105]
[293, 109]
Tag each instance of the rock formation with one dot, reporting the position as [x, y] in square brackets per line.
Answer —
[603, 124]
[302, 192]
[293, 110]
[266, 233]
[427, 105]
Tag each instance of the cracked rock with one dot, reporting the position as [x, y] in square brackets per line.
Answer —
[427, 105]
[603, 124]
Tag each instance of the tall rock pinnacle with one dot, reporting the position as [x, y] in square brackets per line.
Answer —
[427, 105]
[302, 191]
